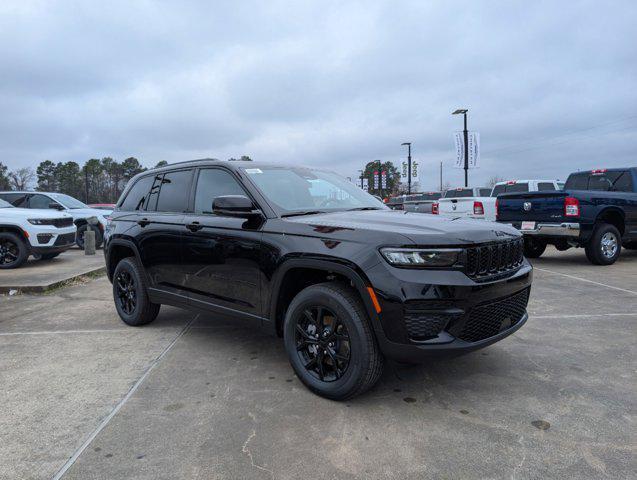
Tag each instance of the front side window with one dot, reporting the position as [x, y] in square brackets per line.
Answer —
[213, 183]
[303, 189]
[137, 197]
[172, 191]
[68, 201]
[40, 201]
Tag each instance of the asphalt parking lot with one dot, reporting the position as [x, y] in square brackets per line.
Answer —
[191, 396]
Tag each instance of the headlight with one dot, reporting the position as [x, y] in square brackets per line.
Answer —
[39, 221]
[416, 257]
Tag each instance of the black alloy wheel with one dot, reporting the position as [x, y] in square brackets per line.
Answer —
[330, 342]
[13, 251]
[322, 343]
[130, 294]
[126, 292]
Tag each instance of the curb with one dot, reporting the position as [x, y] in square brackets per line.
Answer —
[96, 272]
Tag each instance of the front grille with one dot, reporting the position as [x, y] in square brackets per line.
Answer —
[62, 222]
[494, 259]
[426, 319]
[65, 239]
[491, 318]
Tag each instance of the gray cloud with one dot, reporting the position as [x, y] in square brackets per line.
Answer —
[550, 86]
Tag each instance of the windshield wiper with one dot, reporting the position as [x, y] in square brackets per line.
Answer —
[363, 208]
[306, 212]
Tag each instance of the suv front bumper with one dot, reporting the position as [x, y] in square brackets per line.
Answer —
[427, 313]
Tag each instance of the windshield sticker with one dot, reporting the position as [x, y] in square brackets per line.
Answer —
[253, 170]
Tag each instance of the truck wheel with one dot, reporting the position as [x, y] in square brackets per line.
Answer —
[130, 294]
[533, 248]
[330, 343]
[604, 245]
[13, 250]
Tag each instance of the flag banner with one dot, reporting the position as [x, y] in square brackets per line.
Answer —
[403, 173]
[383, 179]
[414, 170]
[376, 180]
[366, 184]
[474, 149]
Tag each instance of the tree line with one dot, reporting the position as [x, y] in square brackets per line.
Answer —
[103, 179]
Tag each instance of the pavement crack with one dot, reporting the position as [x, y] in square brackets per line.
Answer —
[247, 451]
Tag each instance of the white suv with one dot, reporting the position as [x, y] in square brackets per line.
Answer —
[84, 217]
[41, 233]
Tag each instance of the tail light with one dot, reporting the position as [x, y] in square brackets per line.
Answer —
[571, 207]
[478, 208]
[435, 208]
[497, 209]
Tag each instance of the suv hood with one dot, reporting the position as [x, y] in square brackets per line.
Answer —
[31, 213]
[418, 228]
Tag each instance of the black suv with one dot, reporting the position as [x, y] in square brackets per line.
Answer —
[310, 257]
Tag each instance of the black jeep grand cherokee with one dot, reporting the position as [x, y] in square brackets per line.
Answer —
[312, 258]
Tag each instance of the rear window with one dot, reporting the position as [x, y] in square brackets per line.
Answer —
[603, 181]
[510, 188]
[545, 186]
[459, 193]
[485, 192]
[138, 195]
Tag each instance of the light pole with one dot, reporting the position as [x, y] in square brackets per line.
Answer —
[380, 166]
[408, 166]
[360, 177]
[464, 111]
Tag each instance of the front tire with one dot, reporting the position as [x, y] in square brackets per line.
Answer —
[13, 250]
[533, 248]
[131, 296]
[604, 246]
[330, 343]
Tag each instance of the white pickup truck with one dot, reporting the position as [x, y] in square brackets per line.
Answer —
[41, 233]
[479, 202]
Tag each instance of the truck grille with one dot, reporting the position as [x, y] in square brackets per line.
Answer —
[491, 318]
[494, 259]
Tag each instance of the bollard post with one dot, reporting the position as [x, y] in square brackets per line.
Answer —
[89, 242]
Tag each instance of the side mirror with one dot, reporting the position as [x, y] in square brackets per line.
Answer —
[234, 206]
[56, 206]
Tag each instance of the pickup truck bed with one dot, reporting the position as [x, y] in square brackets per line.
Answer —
[596, 210]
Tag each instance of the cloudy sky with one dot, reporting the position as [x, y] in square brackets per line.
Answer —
[550, 86]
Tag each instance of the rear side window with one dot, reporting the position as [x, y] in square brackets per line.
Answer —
[545, 186]
[171, 191]
[16, 199]
[137, 197]
[213, 183]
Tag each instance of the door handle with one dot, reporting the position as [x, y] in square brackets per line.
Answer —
[194, 226]
[143, 222]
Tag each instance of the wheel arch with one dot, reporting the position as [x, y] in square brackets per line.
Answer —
[614, 216]
[296, 274]
[119, 249]
[16, 230]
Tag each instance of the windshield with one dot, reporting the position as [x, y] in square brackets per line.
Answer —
[4, 204]
[68, 201]
[300, 190]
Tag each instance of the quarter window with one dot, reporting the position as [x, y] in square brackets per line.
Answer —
[213, 183]
[138, 195]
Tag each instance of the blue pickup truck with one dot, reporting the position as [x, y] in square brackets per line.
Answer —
[596, 210]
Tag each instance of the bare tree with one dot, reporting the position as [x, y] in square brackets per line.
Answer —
[22, 178]
[446, 186]
[493, 180]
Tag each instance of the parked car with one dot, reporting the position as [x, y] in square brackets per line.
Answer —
[461, 202]
[84, 217]
[41, 233]
[395, 203]
[108, 207]
[596, 210]
[421, 202]
[309, 256]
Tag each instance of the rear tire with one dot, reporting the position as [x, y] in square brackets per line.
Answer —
[79, 237]
[130, 294]
[330, 343]
[13, 251]
[533, 248]
[604, 246]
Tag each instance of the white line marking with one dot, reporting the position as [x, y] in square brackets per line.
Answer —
[58, 332]
[586, 280]
[69, 463]
[587, 316]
